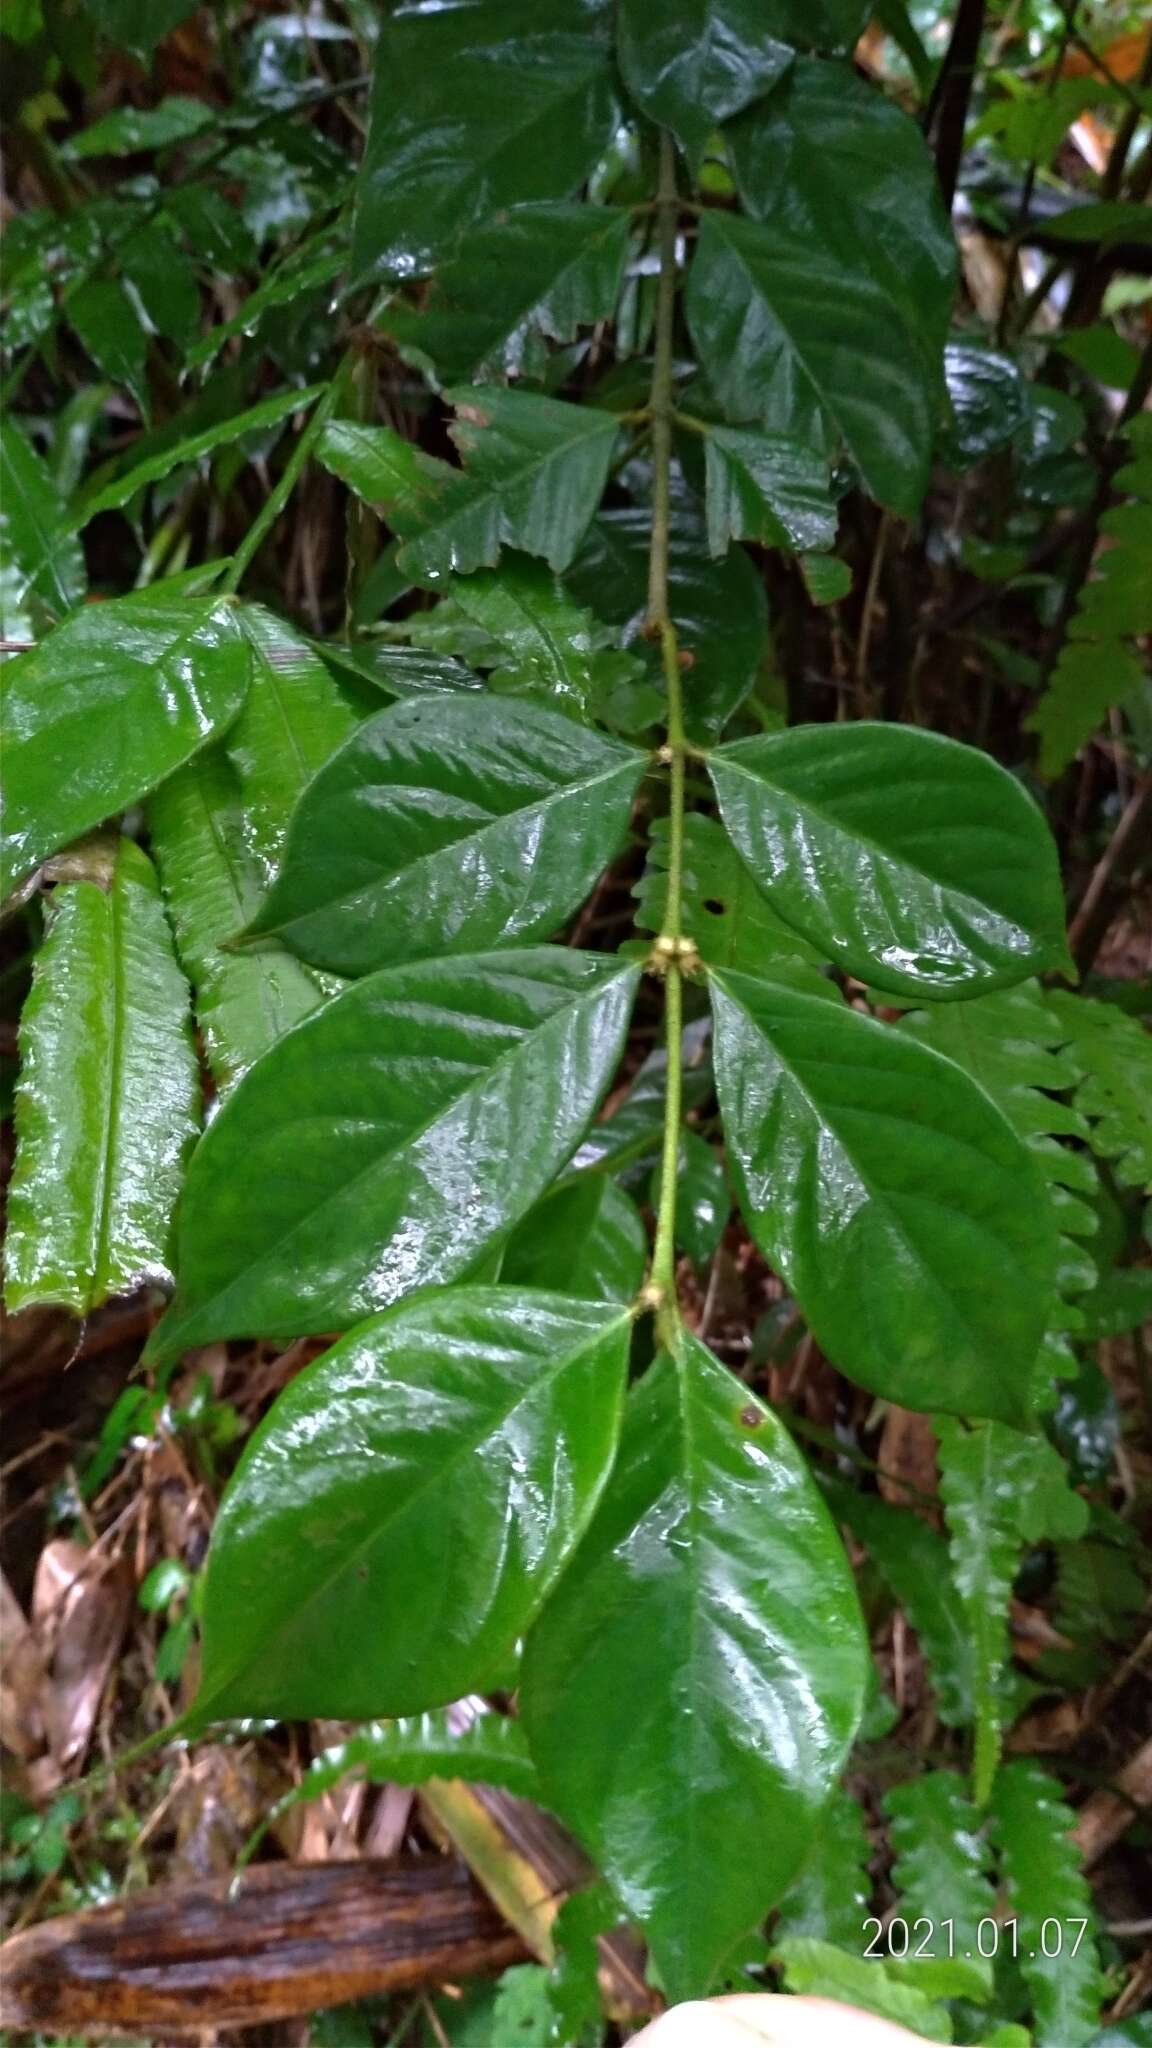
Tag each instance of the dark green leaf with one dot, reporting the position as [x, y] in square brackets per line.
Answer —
[164, 280]
[428, 1477]
[941, 1856]
[633, 1131]
[449, 825]
[914, 862]
[244, 1002]
[107, 324]
[131, 129]
[690, 64]
[108, 1096]
[895, 1200]
[826, 578]
[830, 162]
[385, 1142]
[810, 345]
[724, 913]
[39, 558]
[586, 1238]
[545, 645]
[703, 1203]
[1115, 1055]
[139, 24]
[912, 1557]
[718, 608]
[1041, 1867]
[293, 719]
[539, 270]
[692, 1689]
[986, 398]
[830, 1897]
[258, 419]
[766, 487]
[123, 693]
[470, 116]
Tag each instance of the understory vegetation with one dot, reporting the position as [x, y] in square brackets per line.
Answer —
[575, 602]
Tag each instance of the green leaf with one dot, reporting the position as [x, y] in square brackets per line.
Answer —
[986, 400]
[817, 1968]
[693, 63]
[942, 1860]
[385, 1142]
[490, 1751]
[244, 1002]
[536, 271]
[913, 862]
[164, 279]
[724, 913]
[1115, 1053]
[830, 1897]
[292, 720]
[1000, 1489]
[830, 162]
[450, 1455]
[703, 1201]
[108, 1097]
[138, 24]
[39, 558]
[1122, 1302]
[535, 472]
[718, 608]
[133, 129]
[123, 693]
[258, 419]
[826, 578]
[634, 1130]
[691, 1690]
[768, 488]
[449, 825]
[546, 646]
[108, 326]
[771, 313]
[895, 1200]
[1041, 1868]
[912, 1557]
[469, 118]
[585, 1238]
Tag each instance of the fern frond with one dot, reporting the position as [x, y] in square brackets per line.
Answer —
[1098, 667]
[1055, 1945]
[941, 1854]
[830, 1897]
[1114, 1053]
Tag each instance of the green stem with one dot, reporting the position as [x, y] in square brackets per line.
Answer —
[277, 498]
[660, 626]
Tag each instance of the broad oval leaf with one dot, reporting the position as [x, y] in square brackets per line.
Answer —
[428, 1478]
[449, 825]
[902, 1210]
[473, 114]
[384, 1143]
[108, 1100]
[692, 1688]
[585, 1238]
[122, 693]
[690, 64]
[916, 863]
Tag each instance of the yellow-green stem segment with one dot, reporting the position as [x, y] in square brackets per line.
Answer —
[663, 1279]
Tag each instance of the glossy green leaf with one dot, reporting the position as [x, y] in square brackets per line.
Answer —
[830, 1897]
[258, 419]
[768, 488]
[586, 1238]
[131, 129]
[893, 1197]
[108, 1095]
[123, 693]
[449, 825]
[724, 913]
[1040, 1865]
[449, 1454]
[537, 271]
[39, 558]
[545, 645]
[691, 1690]
[293, 718]
[718, 608]
[912, 1557]
[470, 117]
[942, 1857]
[829, 161]
[108, 325]
[164, 279]
[692, 63]
[535, 469]
[986, 401]
[244, 1002]
[1115, 1055]
[809, 345]
[383, 1144]
[913, 862]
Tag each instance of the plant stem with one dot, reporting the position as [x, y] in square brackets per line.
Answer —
[660, 626]
[277, 498]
